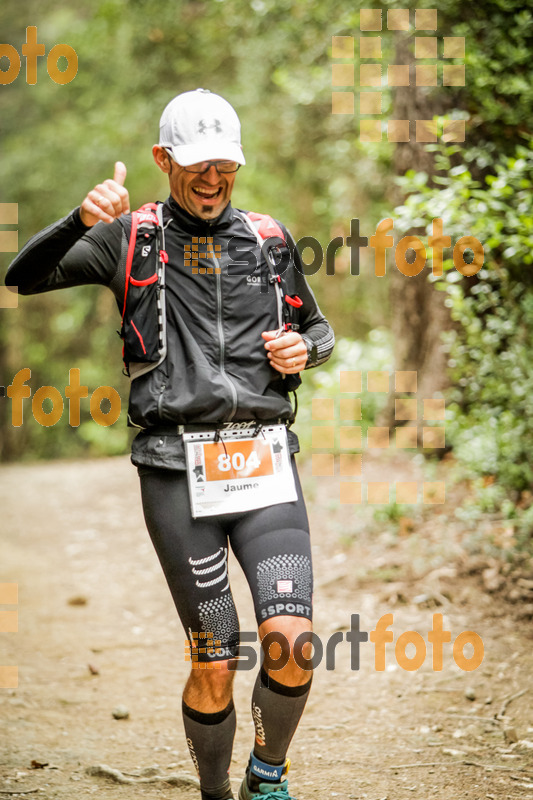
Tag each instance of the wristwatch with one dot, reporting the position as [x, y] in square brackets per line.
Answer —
[312, 351]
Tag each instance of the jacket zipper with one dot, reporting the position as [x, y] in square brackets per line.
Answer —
[222, 344]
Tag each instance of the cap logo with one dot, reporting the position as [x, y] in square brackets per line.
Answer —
[203, 127]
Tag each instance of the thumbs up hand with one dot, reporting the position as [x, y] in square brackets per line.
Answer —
[108, 200]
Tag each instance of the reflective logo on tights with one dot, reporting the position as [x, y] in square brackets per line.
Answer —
[259, 727]
[286, 608]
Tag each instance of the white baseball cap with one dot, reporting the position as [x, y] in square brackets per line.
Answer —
[201, 126]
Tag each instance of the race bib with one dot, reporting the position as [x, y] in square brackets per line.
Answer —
[239, 472]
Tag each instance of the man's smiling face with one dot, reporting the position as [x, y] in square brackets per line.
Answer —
[203, 195]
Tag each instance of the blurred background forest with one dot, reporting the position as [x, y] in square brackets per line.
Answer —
[469, 339]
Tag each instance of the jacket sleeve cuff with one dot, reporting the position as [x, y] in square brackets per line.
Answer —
[76, 216]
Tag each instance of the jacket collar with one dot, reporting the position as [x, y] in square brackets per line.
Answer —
[196, 225]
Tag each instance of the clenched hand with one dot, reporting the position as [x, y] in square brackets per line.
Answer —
[108, 200]
[287, 353]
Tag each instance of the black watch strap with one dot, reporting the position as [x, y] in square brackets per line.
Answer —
[312, 351]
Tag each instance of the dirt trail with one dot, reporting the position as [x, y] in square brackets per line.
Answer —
[91, 593]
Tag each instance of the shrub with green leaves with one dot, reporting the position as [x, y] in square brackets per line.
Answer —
[490, 347]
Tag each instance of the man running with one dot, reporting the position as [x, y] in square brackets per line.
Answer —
[218, 321]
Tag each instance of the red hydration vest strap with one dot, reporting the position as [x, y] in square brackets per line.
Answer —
[143, 214]
[267, 226]
[129, 258]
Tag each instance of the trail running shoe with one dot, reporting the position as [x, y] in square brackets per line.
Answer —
[266, 791]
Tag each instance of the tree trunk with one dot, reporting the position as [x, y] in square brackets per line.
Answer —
[418, 311]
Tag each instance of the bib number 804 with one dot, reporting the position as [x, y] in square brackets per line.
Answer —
[238, 462]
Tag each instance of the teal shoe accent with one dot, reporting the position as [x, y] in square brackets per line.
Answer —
[267, 791]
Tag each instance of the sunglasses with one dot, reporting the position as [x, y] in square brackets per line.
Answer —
[223, 167]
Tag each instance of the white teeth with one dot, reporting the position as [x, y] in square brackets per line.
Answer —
[206, 192]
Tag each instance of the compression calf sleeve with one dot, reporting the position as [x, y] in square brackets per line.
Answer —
[276, 711]
[210, 741]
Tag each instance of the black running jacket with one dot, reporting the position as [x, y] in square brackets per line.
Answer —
[216, 370]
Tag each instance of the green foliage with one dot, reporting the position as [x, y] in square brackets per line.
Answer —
[499, 93]
[491, 400]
